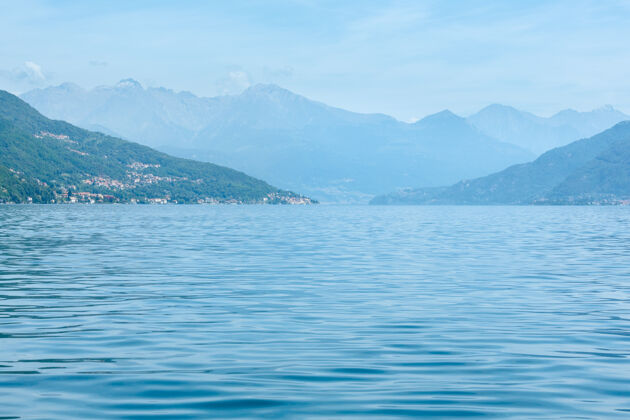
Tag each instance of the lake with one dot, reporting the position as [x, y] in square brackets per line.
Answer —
[181, 312]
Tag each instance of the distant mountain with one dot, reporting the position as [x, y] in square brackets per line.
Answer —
[287, 139]
[45, 161]
[539, 134]
[589, 171]
[152, 117]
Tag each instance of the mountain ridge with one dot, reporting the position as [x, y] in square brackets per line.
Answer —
[46, 161]
[539, 134]
[285, 138]
[594, 170]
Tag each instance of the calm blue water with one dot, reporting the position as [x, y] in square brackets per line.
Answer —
[179, 312]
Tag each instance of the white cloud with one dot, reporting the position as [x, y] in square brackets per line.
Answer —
[26, 76]
[235, 82]
[34, 71]
[240, 78]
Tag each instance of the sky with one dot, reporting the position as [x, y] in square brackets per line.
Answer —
[402, 58]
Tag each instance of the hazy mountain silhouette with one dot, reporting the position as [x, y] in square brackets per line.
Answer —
[539, 134]
[594, 170]
[287, 139]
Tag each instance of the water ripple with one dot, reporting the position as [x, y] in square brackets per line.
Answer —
[191, 312]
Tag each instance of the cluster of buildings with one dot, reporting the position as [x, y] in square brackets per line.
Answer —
[133, 179]
[140, 165]
[141, 178]
[101, 181]
[61, 137]
[138, 178]
[157, 200]
[92, 198]
[281, 198]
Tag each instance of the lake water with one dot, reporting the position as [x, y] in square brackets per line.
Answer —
[134, 312]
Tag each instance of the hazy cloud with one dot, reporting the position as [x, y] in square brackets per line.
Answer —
[235, 82]
[98, 63]
[34, 71]
[27, 75]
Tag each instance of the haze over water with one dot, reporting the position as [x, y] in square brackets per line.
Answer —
[314, 312]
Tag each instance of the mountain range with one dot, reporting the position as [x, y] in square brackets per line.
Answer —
[539, 134]
[48, 161]
[287, 139]
[326, 152]
[595, 170]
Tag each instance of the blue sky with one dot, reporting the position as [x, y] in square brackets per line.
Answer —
[403, 58]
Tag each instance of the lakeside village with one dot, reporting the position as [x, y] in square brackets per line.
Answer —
[72, 195]
[96, 198]
[137, 176]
